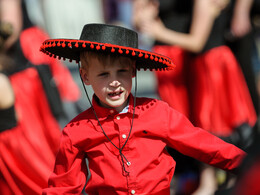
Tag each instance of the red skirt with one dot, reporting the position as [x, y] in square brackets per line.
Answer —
[31, 40]
[220, 96]
[27, 152]
[172, 85]
[214, 94]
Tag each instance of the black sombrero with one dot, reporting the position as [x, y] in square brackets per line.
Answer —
[108, 39]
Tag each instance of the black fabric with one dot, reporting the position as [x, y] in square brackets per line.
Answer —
[19, 61]
[218, 28]
[243, 136]
[7, 119]
[51, 90]
[184, 163]
[242, 48]
[109, 34]
[106, 39]
[256, 7]
[252, 158]
[176, 15]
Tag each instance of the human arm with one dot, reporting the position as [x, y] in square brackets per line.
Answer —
[144, 10]
[200, 144]
[204, 14]
[70, 171]
[11, 12]
[241, 22]
[7, 94]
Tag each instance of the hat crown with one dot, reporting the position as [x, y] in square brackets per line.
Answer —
[116, 35]
[106, 39]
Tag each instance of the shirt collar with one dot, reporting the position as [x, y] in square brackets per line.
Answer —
[103, 113]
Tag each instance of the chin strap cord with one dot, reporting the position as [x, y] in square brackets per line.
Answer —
[119, 149]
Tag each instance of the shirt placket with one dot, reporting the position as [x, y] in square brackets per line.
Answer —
[124, 128]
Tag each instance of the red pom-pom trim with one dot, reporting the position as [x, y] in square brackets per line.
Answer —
[121, 49]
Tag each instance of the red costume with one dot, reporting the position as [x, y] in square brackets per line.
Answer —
[126, 151]
[30, 40]
[145, 151]
[208, 87]
[27, 152]
[220, 96]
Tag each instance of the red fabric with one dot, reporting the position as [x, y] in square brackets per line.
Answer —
[155, 125]
[221, 99]
[54, 48]
[31, 40]
[209, 88]
[172, 85]
[249, 183]
[27, 152]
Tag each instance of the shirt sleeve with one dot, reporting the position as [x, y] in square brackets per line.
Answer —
[200, 144]
[70, 170]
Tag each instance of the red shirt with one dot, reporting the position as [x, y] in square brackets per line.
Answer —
[150, 167]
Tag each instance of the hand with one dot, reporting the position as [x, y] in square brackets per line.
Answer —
[144, 10]
[218, 5]
[221, 4]
[241, 21]
[154, 28]
[240, 24]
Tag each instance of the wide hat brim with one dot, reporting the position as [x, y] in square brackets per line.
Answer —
[108, 39]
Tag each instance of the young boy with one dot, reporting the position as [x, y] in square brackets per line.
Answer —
[124, 137]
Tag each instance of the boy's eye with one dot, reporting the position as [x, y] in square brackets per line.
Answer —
[103, 74]
[123, 70]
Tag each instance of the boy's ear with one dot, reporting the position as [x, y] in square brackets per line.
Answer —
[84, 76]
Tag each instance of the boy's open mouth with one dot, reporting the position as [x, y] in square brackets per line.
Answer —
[114, 94]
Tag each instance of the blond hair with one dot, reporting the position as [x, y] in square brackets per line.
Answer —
[102, 57]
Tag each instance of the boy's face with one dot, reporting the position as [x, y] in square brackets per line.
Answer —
[111, 80]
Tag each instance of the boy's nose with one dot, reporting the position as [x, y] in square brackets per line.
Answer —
[114, 83]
